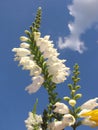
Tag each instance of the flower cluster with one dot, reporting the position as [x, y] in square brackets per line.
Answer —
[25, 58]
[33, 122]
[67, 118]
[56, 67]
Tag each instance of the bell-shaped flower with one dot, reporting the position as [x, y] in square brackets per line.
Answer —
[89, 113]
[21, 52]
[61, 108]
[67, 120]
[91, 118]
[35, 86]
[35, 71]
[24, 45]
[90, 104]
[27, 63]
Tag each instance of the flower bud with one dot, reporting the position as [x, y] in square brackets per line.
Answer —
[73, 91]
[72, 102]
[24, 39]
[27, 32]
[66, 98]
[77, 87]
[77, 96]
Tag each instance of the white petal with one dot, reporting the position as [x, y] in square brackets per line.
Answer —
[24, 45]
[90, 104]
[61, 108]
[36, 70]
[57, 125]
[68, 119]
[88, 122]
[35, 86]
[32, 89]
[47, 37]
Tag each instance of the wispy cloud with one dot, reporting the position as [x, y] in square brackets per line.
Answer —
[85, 13]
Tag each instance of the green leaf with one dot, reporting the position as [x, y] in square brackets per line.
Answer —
[35, 106]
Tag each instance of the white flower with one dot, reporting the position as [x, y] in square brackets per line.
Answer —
[67, 120]
[24, 45]
[56, 125]
[56, 67]
[35, 71]
[24, 39]
[21, 52]
[90, 104]
[61, 108]
[35, 86]
[89, 113]
[88, 122]
[27, 63]
[32, 121]
[90, 118]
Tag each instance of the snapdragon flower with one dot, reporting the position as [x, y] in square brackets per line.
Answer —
[89, 113]
[56, 67]
[33, 121]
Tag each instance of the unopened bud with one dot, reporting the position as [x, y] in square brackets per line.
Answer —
[77, 87]
[73, 91]
[66, 98]
[24, 39]
[72, 102]
[77, 96]
[27, 32]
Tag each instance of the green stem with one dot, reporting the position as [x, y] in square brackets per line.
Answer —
[74, 128]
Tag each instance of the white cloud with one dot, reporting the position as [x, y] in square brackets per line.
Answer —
[85, 13]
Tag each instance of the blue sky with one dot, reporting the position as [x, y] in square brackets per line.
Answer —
[80, 47]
